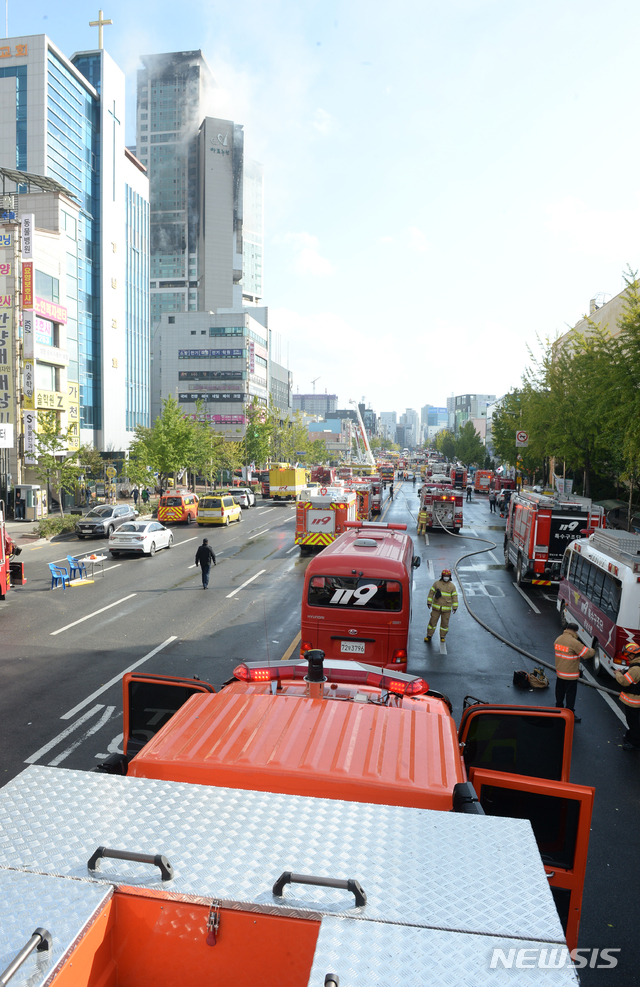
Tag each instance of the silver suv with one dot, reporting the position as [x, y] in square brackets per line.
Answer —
[101, 521]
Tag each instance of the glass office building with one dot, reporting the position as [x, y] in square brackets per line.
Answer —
[137, 307]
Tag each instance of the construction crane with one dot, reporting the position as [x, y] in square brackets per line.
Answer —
[314, 384]
[365, 456]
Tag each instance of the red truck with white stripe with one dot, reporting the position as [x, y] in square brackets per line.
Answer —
[321, 515]
[538, 530]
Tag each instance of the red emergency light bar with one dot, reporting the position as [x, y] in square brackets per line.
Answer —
[375, 524]
[350, 673]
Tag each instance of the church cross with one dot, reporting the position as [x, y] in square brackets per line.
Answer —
[100, 24]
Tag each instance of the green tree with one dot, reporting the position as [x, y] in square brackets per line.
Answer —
[262, 424]
[446, 443]
[169, 445]
[469, 447]
[56, 468]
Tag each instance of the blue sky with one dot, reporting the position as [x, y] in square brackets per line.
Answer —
[443, 182]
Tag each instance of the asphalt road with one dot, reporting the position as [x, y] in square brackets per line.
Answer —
[64, 653]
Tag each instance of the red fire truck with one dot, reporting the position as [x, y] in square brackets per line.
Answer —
[440, 507]
[538, 530]
[483, 480]
[458, 476]
[8, 549]
[324, 475]
[321, 515]
[504, 483]
[264, 483]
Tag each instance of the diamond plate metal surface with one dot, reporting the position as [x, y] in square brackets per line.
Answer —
[418, 867]
[28, 901]
[365, 954]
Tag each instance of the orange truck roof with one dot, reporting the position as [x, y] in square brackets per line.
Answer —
[296, 745]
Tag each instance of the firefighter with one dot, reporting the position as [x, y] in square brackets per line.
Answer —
[442, 601]
[630, 696]
[569, 649]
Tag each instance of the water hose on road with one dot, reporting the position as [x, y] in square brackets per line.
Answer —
[496, 634]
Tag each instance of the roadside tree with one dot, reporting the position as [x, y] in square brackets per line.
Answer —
[56, 468]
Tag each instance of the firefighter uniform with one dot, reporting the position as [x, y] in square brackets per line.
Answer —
[443, 601]
[630, 698]
[569, 650]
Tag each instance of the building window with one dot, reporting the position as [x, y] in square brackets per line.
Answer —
[172, 320]
[193, 332]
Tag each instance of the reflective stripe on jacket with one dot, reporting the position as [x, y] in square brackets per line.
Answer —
[448, 599]
[630, 682]
[569, 649]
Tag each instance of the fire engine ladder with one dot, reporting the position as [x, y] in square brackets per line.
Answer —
[366, 456]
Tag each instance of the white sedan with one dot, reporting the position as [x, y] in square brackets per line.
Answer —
[243, 496]
[142, 537]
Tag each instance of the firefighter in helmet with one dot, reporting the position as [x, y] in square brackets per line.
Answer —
[630, 696]
[442, 601]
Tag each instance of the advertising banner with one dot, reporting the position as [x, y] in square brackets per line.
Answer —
[30, 430]
[28, 349]
[7, 397]
[29, 385]
[73, 414]
[27, 285]
[251, 346]
[44, 332]
[28, 227]
[50, 310]
[6, 437]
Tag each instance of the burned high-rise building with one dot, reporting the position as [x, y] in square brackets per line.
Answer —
[174, 91]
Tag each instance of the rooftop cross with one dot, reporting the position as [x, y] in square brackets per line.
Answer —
[100, 24]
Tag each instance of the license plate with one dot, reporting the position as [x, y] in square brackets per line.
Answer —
[352, 647]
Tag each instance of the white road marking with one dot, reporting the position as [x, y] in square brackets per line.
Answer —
[288, 519]
[267, 510]
[525, 597]
[233, 592]
[116, 678]
[106, 716]
[426, 538]
[94, 614]
[63, 735]
[607, 698]
[112, 567]
[498, 561]
[430, 568]
[192, 566]
[176, 543]
[292, 549]
[443, 648]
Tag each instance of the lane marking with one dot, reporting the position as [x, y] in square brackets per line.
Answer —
[426, 538]
[194, 538]
[430, 568]
[233, 592]
[106, 716]
[292, 647]
[267, 510]
[64, 734]
[94, 614]
[116, 678]
[288, 519]
[443, 648]
[116, 566]
[262, 532]
[498, 561]
[607, 698]
[292, 549]
[525, 597]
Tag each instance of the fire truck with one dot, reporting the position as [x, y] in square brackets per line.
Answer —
[503, 483]
[363, 489]
[9, 570]
[458, 476]
[264, 483]
[538, 530]
[286, 482]
[324, 475]
[483, 480]
[321, 515]
[440, 507]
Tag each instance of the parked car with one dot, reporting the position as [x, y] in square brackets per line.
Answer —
[141, 537]
[103, 520]
[218, 509]
[243, 496]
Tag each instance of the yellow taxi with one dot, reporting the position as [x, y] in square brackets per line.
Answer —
[218, 508]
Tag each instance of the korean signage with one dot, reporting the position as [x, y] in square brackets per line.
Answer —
[19, 51]
[6, 437]
[30, 429]
[52, 400]
[44, 332]
[208, 354]
[73, 416]
[252, 357]
[217, 387]
[219, 419]
[50, 310]
[5, 270]
[6, 366]
[5, 239]
[28, 227]
[229, 396]
[27, 285]
[28, 350]
[29, 386]
[210, 374]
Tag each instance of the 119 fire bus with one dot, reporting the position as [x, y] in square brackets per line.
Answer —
[600, 592]
[356, 600]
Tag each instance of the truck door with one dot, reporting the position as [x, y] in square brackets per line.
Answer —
[560, 816]
[149, 701]
[522, 740]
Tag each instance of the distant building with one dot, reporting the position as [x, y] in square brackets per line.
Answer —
[281, 388]
[316, 404]
[388, 422]
[468, 406]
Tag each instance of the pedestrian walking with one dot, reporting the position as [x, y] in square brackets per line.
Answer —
[442, 601]
[135, 496]
[205, 558]
[469, 489]
[391, 491]
[630, 696]
[492, 501]
[569, 649]
[145, 496]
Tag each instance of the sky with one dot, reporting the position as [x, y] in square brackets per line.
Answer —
[445, 184]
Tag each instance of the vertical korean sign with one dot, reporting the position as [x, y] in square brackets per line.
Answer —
[28, 225]
[30, 429]
[7, 397]
[73, 415]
